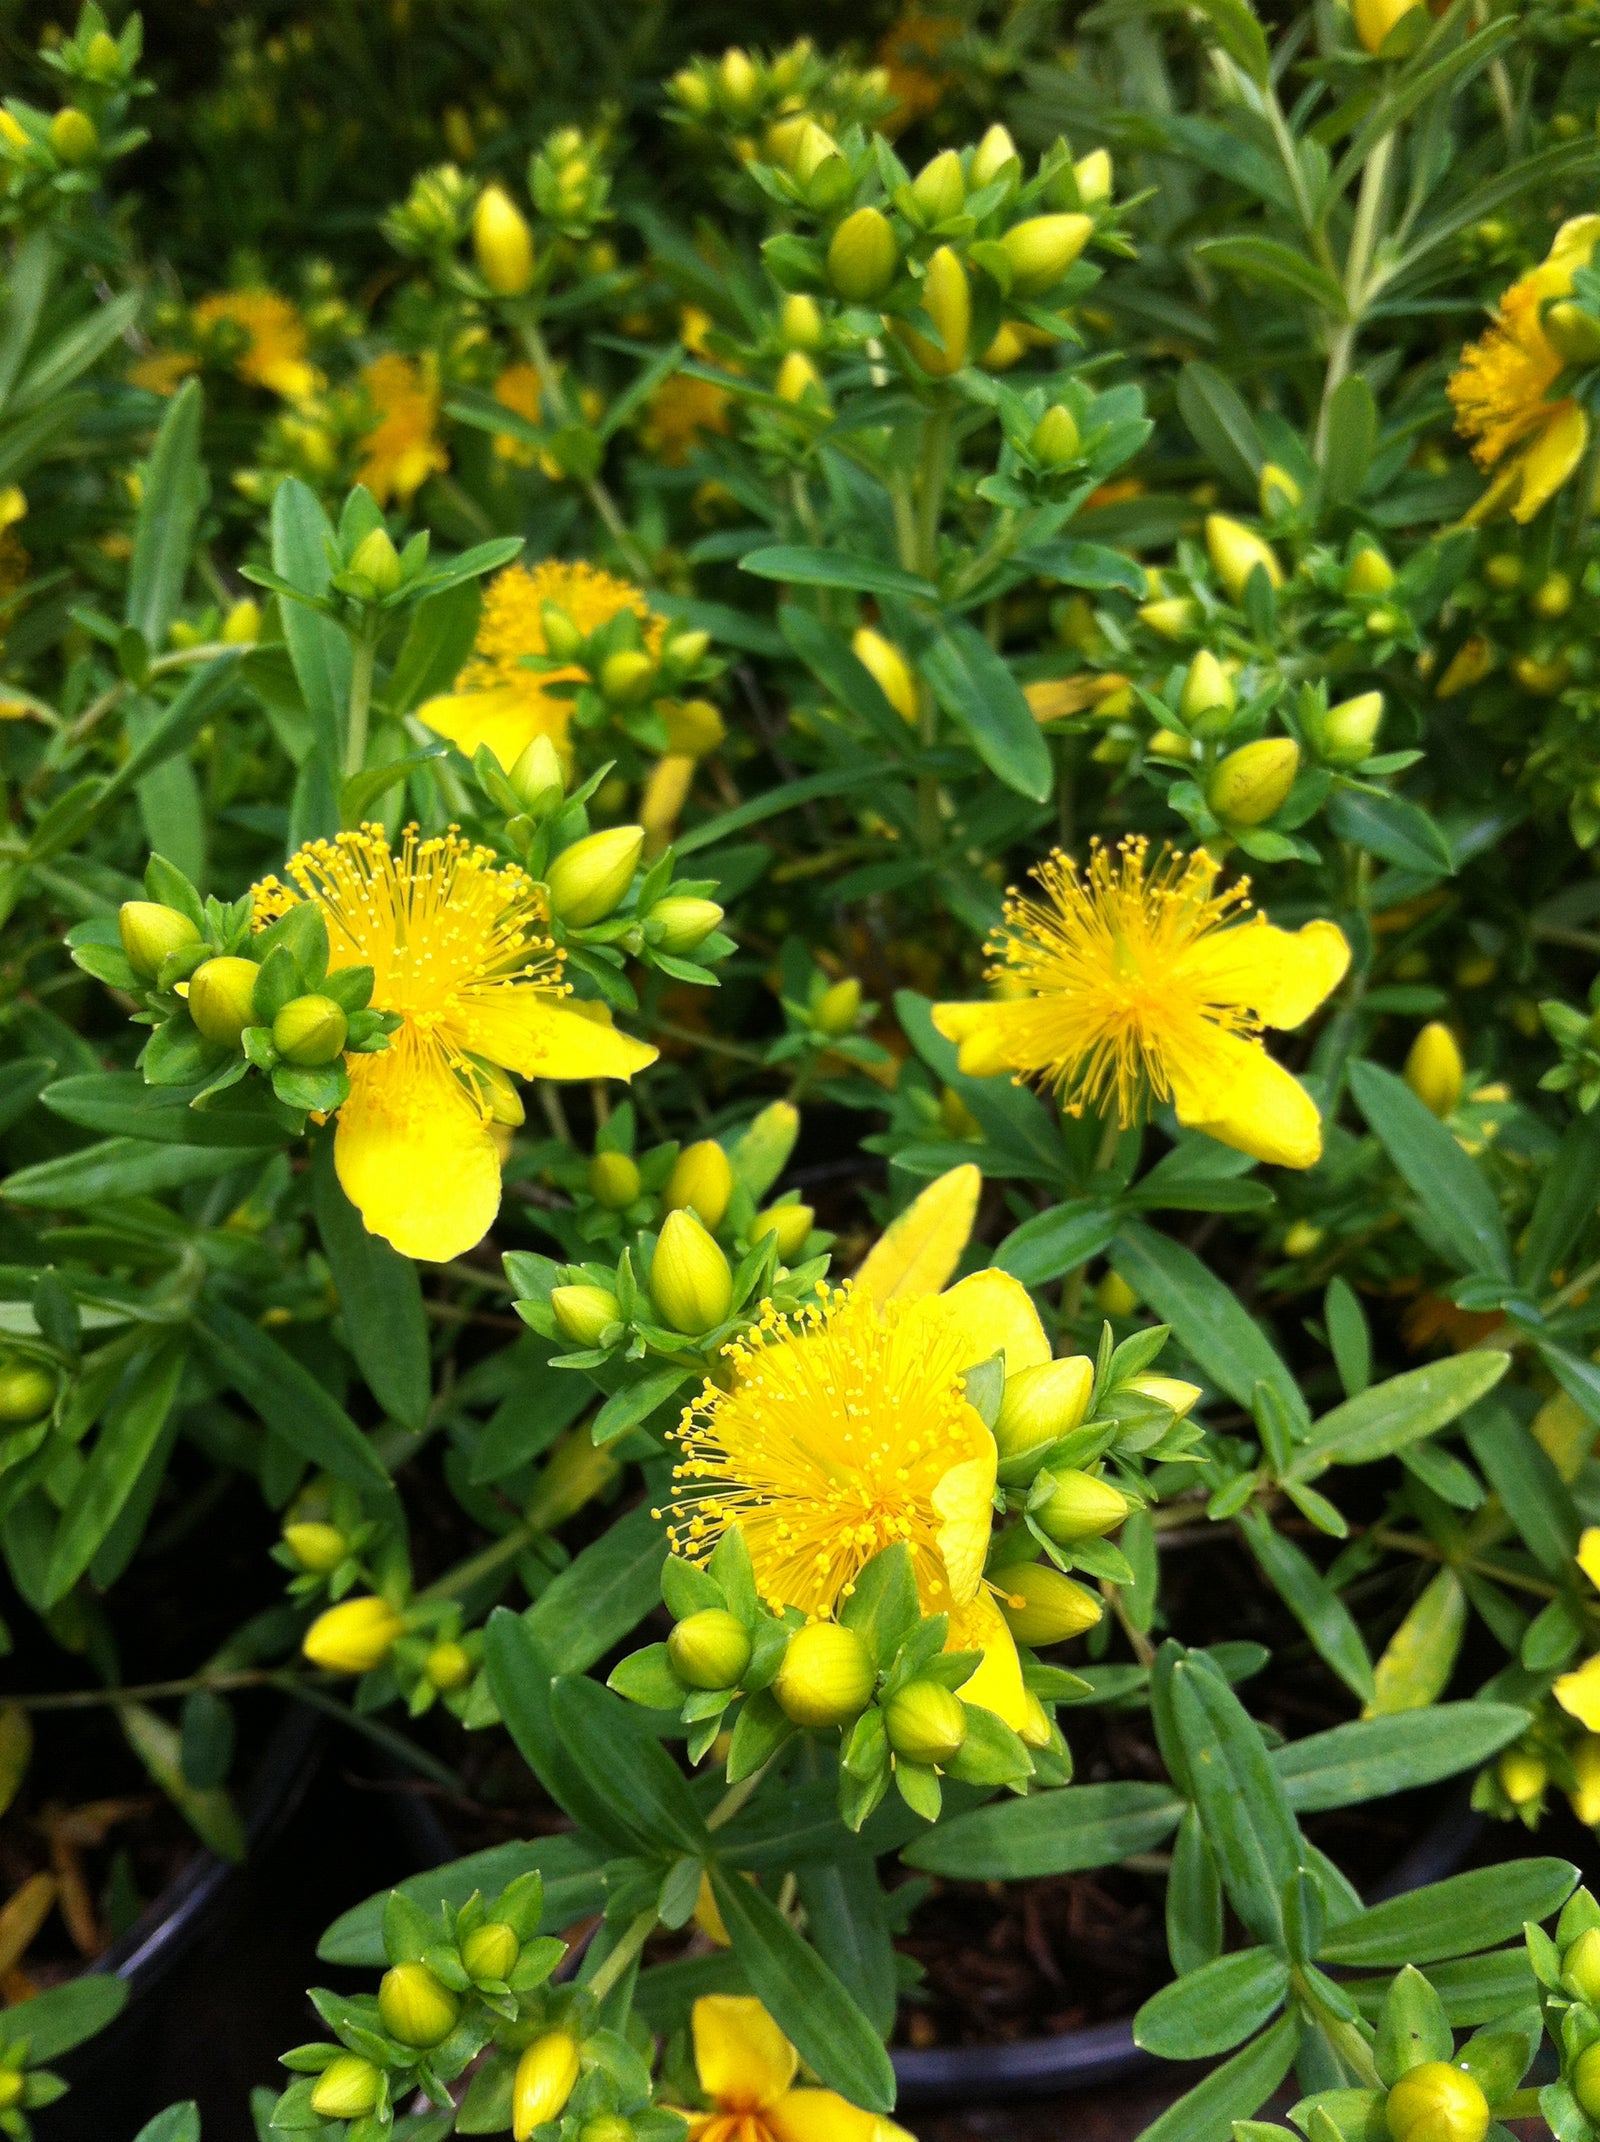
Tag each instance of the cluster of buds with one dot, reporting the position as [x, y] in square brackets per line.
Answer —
[628, 671]
[416, 1650]
[67, 150]
[23, 2088]
[1246, 790]
[1567, 1967]
[323, 1541]
[758, 104]
[824, 1019]
[366, 574]
[569, 182]
[1576, 1033]
[435, 215]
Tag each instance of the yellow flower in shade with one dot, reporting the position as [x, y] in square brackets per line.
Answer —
[747, 2068]
[518, 390]
[497, 700]
[401, 449]
[163, 371]
[1128, 983]
[1578, 1692]
[455, 942]
[276, 355]
[683, 409]
[846, 1428]
[1501, 387]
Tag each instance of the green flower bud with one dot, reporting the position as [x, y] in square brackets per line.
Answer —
[837, 1009]
[1580, 1967]
[583, 1313]
[1039, 1404]
[242, 625]
[1434, 1070]
[738, 92]
[502, 243]
[627, 676]
[681, 922]
[310, 1031]
[1055, 440]
[608, 2127]
[103, 56]
[862, 256]
[1351, 729]
[347, 2089]
[1173, 616]
[1042, 1606]
[685, 649]
[1438, 2103]
[12, 2084]
[947, 300]
[353, 1637]
[537, 779]
[1254, 782]
[1369, 572]
[800, 322]
[1093, 174]
[690, 1279]
[547, 2075]
[1235, 552]
[377, 561]
[1571, 332]
[448, 1666]
[925, 1722]
[792, 1224]
[221, 997]
[590, 878]
[990, 157]
[1277, 491]
[561, 636]
[1169, 1391]
[415, 2007]
[939, 189]
[1081, 1507]
[490, 1951]
[316, 1547]
[573, 1474]
[1552, 598]
[826, 1676]
[73, 136]
[150, 933]
[1208, 697]
[1042, 249]
[613, 1182]
[710, 1649]
[702, 1181]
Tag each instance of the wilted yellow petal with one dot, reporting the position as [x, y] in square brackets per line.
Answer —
[917, 1252]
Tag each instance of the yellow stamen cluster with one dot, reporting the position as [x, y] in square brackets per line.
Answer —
[401, 449]
[276, 355]
[1500, 387]
[512, 627]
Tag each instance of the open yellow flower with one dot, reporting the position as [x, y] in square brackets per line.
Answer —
[847, 1429]
[1501, 387]
[401, 449]
[499, 702]
[1578, 1692]
[455, 942]
[747, 2068]
[276, 355]
[1128, 983]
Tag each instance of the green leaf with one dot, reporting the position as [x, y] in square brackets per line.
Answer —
[521, 1683]
[289, 1399]
[1211, 2010]
[1454, 1917]
[54, 2022]
[1532, 1493]
[173, 729]
[1242, 1803]
[1194, 1899]
[602, 1595]
[1370, 1758]
[209, 1812]
[845, 1917]
[1312, 1601]
[1352, 435]
[1057, 1241]
[175, 487]
[977, 690]
[130, 1432]
[1233, 25]
[380, 1299]
[787, 796]
[1458, 1199]
[1206, 1316]
[178, 2123]
[1387, 1416]
[121, 1102]
[1392, 829]
[1060, 1832]
[71, 354]
[803, 1996]
[1348, 1336]
[1221, 425]
[1567, 1197]
[1266, 260]
[573, 1887]
[635, 1402]
[116, 1168]
[1420, 1657]
[1085, 565]
[627, 1765]
[435, 649]
[1240, 2087]
[806, 566]
[318, 648]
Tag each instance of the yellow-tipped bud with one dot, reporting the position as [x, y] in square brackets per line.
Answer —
[1434, 1070]
[415, 2006]
[491, 1951]
[1041, 1606]
[1172, 616]
[220, 999]
[710, 1649]
[990, 157]
[1207, 691]
[537, 779]
[12, 2080]
[310, 1031]
[838, 1008]
[1552, 598]
[242, 625]
[798, 379]
[27, 1392]
[1351, 729]
[1276, 491]
[863, 257]
[947, 300]
[690, 1279]
[347, 2089]
[562, 637]
[1039, 1404]
[1042, 249]
[448, 1666]
[1253, 783]
[939, 189]
[353, 1636]
[1302, 1238]
[590, 878]
[1169, 1391]
[377, 561]
[73, 136]
[814, 148]
[151, 932]
[627, 676]
[925, 1722]
[1081, 1507]
[783, 137]
[889, 669]
[800, 322]
[1093, 174]
[1468, 666]
[1580, 1967]
[1369, 572]
[613, 1181]
[576, 1470]
[1571, 332]
[1235, 552]
[792, 1224]
[1523, 1775]
[1056, 441]
[1585, 2081]
[607, 2127]
[1437, 2103]
[317, 1547]
[1114, 1297]
[681, 923]
[694, 728]
[13, 133]
[1585, 1794]
[547, 2075]
[1374, 19]
[1007, 348]
[583, 1313]
[103, 56]
[1034, 1731]
[826, 1676]
[701, 1181]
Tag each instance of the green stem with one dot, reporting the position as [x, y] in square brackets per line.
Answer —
[1359, 287]
[482, 1564]
[599, 496]
[364, 656]
[639, 1931]
[84, 1699]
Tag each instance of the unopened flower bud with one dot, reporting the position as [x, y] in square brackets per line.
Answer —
[1042, 249]
[1172, 616]
[1434, 1070]
[627, 676]
[377, 561]
[590, 878]
[1571, 332]
[1369, 572]
[1207, 692]
[939, 189]
[691, 91]
[317, 1547]
[1041, 1403]
[1170, 1391]
[947, 300]
[1374, 19]
[353, 1636]
[546, 2076]
[537, 779]
[242, 625]
[1094, 176]
[990, 157]
[1302, 1238]
[583, 1313]
[613, 1181]
[1253, 783]
[1035, 1730]
[818, 168]
[1235, 552]
[1552, 598]
[502, 243]
[310, 1031]
[738, 92]
[925, 1722]
[710, 1649]
[838, 1008]
[1056, 441]
[1081, 1507]
[1041, 1606]
[798, 379]
[690, 1279]
[1351, 729]
[576, 1471]
[1437, 2103]
[1523, 1775]
[1468, 666]
[1580, 1967]
[347, 2089]
[792, 1224]
[415, 2006]
[27, 1392]
[681, 922]
[782, 141]
[826, 1676]
[73, 136]
[491, 1951]
[701, 1181]
[12, 2080]
[562, 637]
[221, 994]
[150, 932]
[1540, 677]
[1114, 1297]
[1585, 1795]
[103, 56]
[448, 1666]
[889, 669]
[1276, 491]
[863, 256]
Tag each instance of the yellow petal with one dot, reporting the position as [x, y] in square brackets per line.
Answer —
[1589, 1554]
[963, 1499]
[1486, 507]
[997, 1684]
[1238, 1095]
[414, 1153]
[1550, 458]
[818, 2116]
[991, 1313]
[984, 1055]
[744, 2061]
[540, 1035]
[917, 1252]
[503, 718]
[1579, 1693]
[1569, 250]
[1282, 975]
[956, 1021]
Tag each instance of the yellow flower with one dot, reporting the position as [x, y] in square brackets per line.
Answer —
[456, 946]
[1578, 1692]
[401, 450]
[679, 414]
[518, 390]
[499, 702]
[1129, 983]
[847, 1428]
[276, 355]
[1502, 384]
[163, 371]
[747, 2068]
